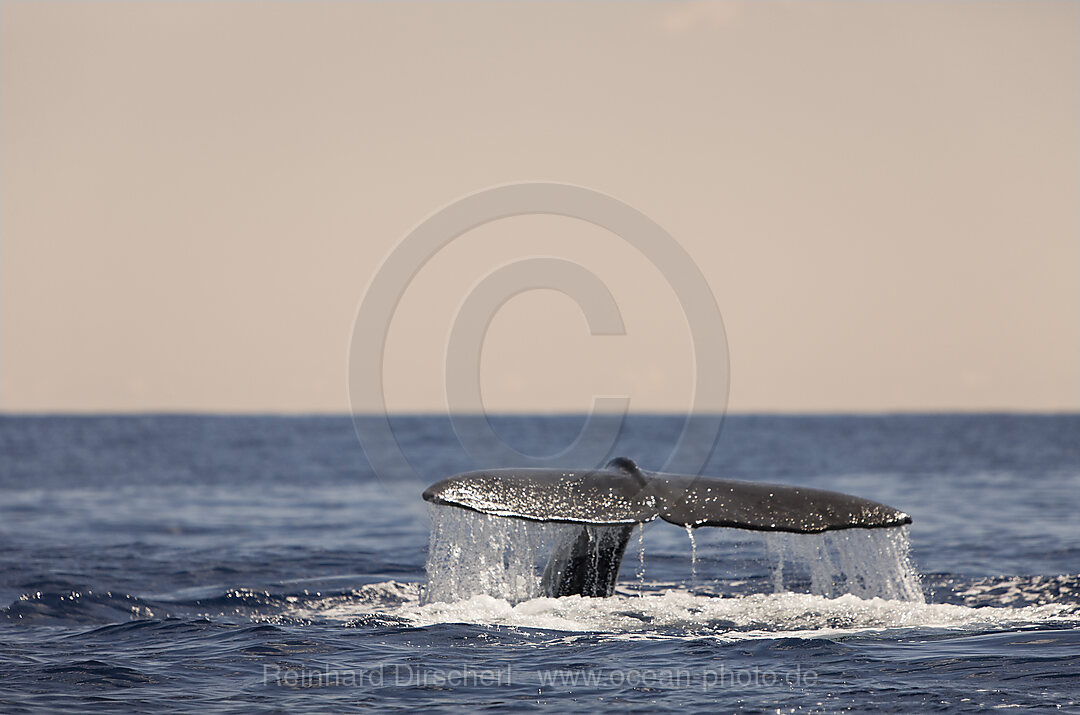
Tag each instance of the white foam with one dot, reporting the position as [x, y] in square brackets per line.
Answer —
[760, 615]
[678, 613]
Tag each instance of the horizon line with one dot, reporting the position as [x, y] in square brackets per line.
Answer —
[537, 413]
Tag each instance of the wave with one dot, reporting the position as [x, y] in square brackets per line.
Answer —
[680, 612]
[652, 610]
[48, 607]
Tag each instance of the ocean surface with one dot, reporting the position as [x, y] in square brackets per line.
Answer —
[226, 564]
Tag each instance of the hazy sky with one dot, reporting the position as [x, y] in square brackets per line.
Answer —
[883, 197]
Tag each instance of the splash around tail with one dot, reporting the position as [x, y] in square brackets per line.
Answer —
[605, 504]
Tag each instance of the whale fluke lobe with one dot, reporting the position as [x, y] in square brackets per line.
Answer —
[701, 501]
[621, 494]
[617, 494]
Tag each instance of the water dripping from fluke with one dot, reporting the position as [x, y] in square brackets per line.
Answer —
[693, 554]
[641, 559]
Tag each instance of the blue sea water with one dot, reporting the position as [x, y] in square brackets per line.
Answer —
[233, 563]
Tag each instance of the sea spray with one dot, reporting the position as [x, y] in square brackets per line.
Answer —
[472, 554]
[866, 563]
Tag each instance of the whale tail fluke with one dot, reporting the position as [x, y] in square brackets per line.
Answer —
[622, 494]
